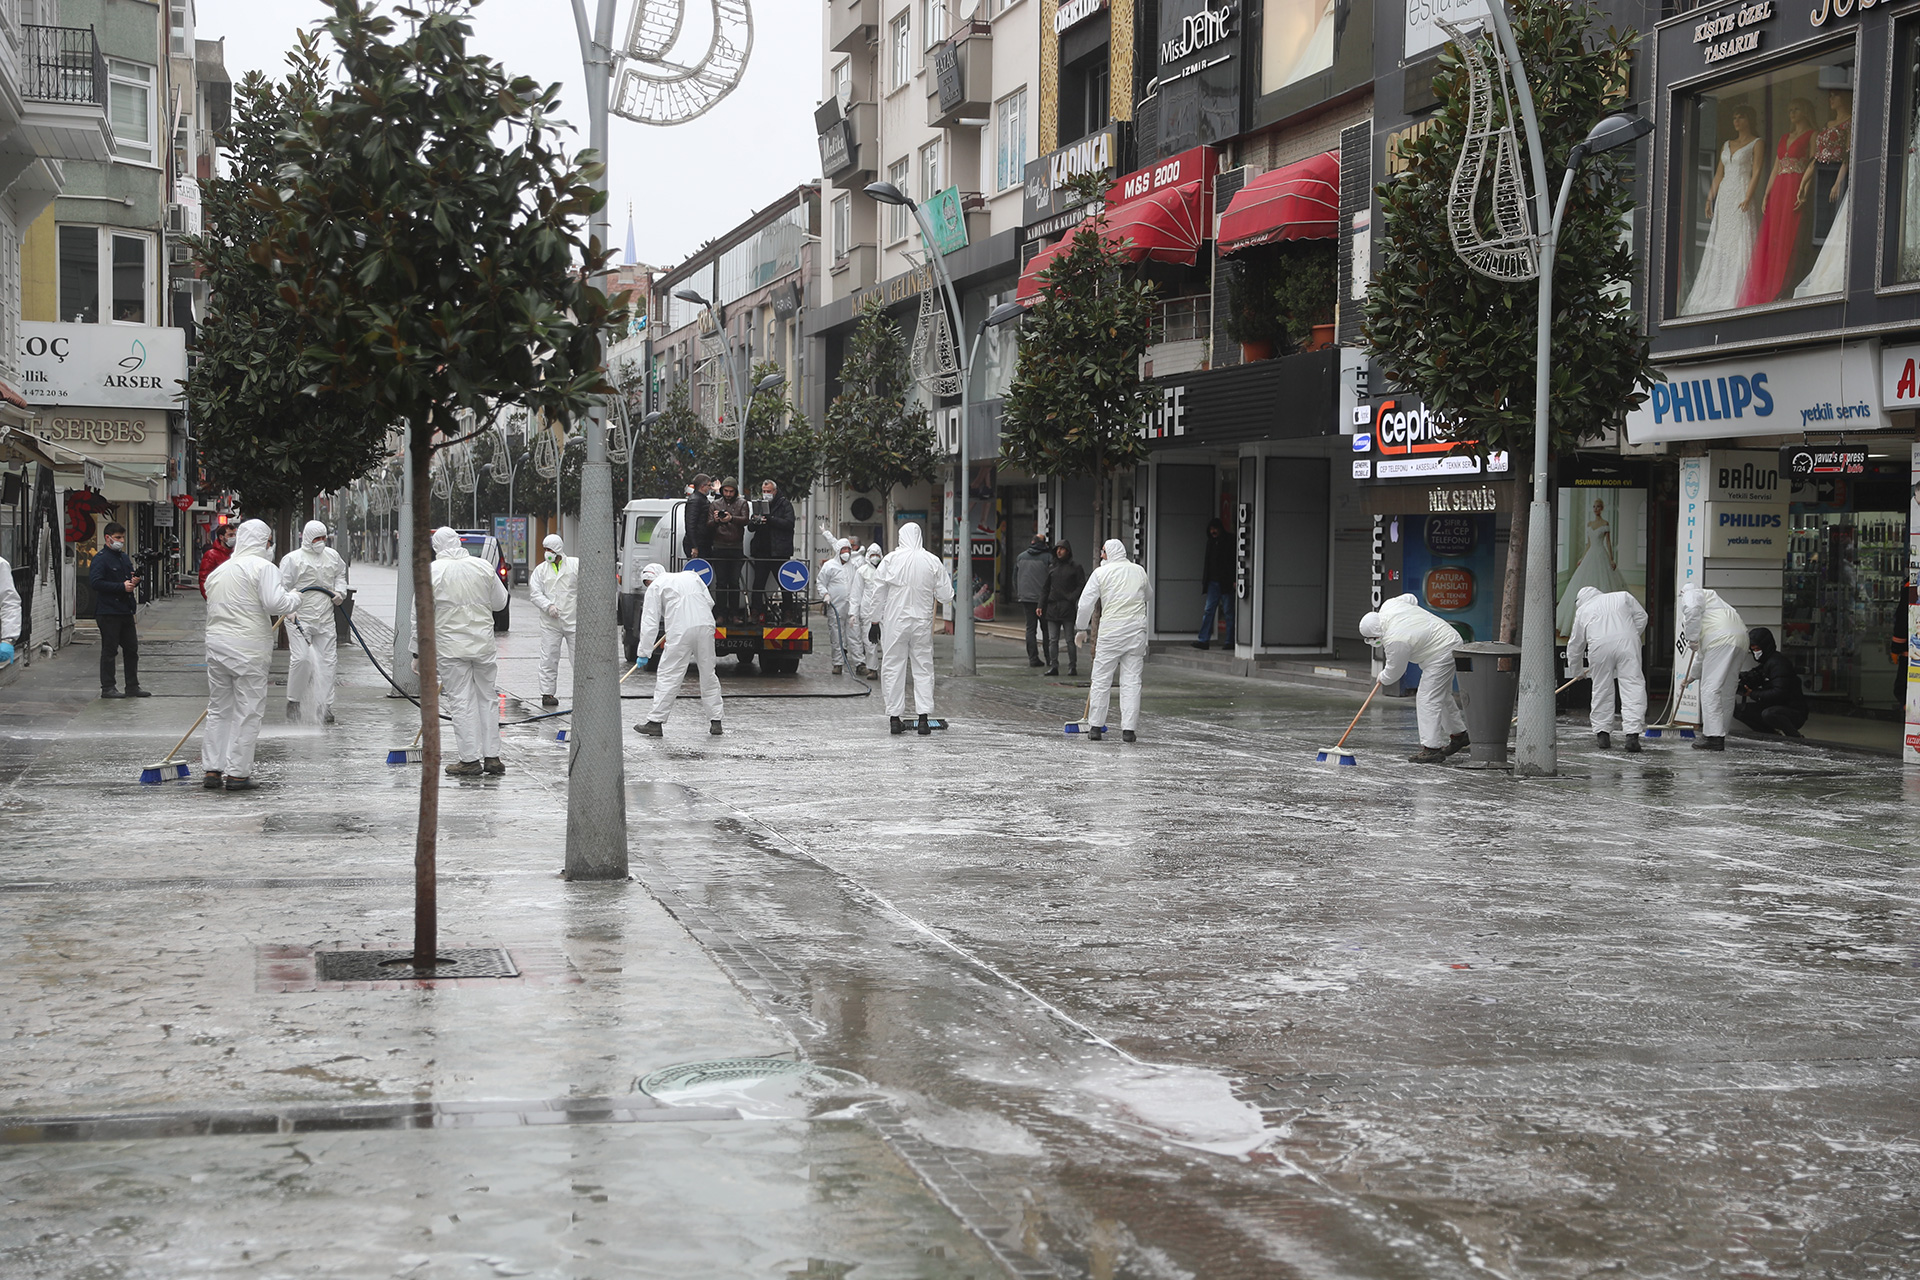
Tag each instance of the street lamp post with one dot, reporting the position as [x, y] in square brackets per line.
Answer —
[963, 649]
[768, 383]
[1534, 748]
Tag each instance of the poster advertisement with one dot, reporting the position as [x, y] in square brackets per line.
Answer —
[1602, 542]
[983, 525]
[1448, 563]
[511, 533]
[1297, 38]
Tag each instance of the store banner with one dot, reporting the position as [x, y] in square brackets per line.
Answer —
[1689, 570]
[1448, 563]
[116, 366]
[1747, 530]
[1781, 394]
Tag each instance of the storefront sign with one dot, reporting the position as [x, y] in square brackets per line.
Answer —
[1045, 194]
[1411, 441]
[949, 222]
[947, 78]
[1282, 399]
[1747, 530]
[1805, 461]
[1900, 378]
[1725, 34]
[1198, 81]
[126, 436]
[119, 365]
[1745, 475]
[838, 151]
[1478, 499]
[1199, 32]
[1825, 390]
[1072, 13]
[1196, 164]
[1425, 16]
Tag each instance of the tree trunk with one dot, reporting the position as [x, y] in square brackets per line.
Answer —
[1515, 577]
[426, 925]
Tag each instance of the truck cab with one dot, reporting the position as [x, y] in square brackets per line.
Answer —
[776, 631]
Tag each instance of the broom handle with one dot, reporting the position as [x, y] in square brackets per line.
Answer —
[183, 738]
[1356, 716]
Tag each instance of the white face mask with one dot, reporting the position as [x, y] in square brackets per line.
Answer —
[846, 557]
[554, 556]
[116, 544]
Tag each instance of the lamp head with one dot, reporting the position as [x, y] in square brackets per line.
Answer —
[1005, 313]
[653, 417]
[690, 295]
[886, 193]
[771, 382]
[1618, 130]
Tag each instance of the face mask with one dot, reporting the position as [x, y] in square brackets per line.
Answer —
[554, 556]
[116, 544]
[846, 557]
[1757, 655]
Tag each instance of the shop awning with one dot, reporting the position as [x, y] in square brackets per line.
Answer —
[1295, 202]
[24, 446]
[1167, 226]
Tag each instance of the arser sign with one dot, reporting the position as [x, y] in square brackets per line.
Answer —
[116, 366]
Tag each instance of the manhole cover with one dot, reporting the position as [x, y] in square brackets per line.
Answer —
[393, 966]
[770, 1087]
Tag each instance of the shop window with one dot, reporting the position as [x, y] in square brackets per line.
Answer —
[1903, 184]
[1764, 187]
[1296, 41]
[1084, 99]
[129, 284]
[130, 109]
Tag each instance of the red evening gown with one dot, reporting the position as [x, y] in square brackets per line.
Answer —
[1779, 241]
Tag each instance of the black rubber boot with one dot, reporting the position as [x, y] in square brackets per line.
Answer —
[212, 781]
[1632, 744]
[1430, 755]
[494, 765]
[1457, 743]
[649, 729]
[459, 769]
[1709, 744]
[239, 784]
[1604, 741]
[1096, 733]
[293, 710]
[924, 728]
[548, 700]
[894, 725]
[713, 727]
[1126, 735]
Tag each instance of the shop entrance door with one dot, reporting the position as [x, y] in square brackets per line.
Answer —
[1185, 502]
[1294, 550]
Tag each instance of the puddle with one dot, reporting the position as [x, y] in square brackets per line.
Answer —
[759, 1088]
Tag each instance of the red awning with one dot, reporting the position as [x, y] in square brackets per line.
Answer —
[1167, 226]
[1295, 202]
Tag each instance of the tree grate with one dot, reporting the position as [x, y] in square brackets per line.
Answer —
[397, 966]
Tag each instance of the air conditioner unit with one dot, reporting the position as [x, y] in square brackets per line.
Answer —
[863, 508]
[177, 220]
[180, 253]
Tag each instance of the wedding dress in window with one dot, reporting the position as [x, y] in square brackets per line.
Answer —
[1730, 236]
[1829, 274]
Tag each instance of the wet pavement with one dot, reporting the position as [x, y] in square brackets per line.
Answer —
[1192, 1007]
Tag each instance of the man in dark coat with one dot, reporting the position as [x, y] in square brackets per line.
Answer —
[772, 536]
[1774, 701]
[1216, 580]
[1065, 581]
[699, 538]
[1030, 591]
[116, 587]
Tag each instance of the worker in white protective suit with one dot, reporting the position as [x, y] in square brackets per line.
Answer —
[244, 596]
[9, 613]
[1607, 626]
[554, 586]
[1409, 633]
[905, 590]
[315, 572]
[466, 594]
[680, 606]
[861, 603]
[1119, 587]
[834, 583]
[1715, 630]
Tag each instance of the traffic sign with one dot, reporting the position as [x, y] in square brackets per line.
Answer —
[701, 567]
[793, 576]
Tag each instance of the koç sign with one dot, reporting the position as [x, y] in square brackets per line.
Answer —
[113, 366]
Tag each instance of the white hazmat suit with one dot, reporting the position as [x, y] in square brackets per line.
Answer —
[554, 587]
[835, 585]
[903, 594]
[9, 611]
[244, 596]
[1606, 638]
[860, 604]
[1716, 630]
[1120, 588]
[466, 595]
[1411, 634]
[681, 606]
[313, 661]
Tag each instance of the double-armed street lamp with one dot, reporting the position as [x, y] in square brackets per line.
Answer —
[772, 382]
[963, 648]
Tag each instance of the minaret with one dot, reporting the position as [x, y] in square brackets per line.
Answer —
[630, 254]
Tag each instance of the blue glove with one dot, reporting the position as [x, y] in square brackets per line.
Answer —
[641, 665]
[6, 652]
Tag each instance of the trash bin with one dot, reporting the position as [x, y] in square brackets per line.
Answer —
[343, 621]
[1489, 694]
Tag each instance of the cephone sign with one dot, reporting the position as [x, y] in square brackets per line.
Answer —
[1782, 394]
[116, 366]
[1411, 441]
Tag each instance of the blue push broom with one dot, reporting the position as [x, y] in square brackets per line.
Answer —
[169, 769]
[1337, 754]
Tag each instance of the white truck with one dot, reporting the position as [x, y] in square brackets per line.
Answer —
[775, 629]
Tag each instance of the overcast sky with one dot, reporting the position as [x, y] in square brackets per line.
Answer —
[687, 183]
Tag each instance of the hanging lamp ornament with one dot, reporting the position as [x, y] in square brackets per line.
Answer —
[936, 362]
[1489, 174]
[650, 89]
[546, 456]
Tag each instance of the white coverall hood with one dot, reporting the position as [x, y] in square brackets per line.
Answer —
[911, 538]
[1114, 550]
[1586, 596]
[652, 571]
[313, 536]
[253, 539]
[554, 543]
[446, 545]
[1371, 627]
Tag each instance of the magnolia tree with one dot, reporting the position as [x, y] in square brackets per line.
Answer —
[427, 227]
[873, 440]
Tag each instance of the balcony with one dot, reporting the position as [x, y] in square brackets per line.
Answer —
[850, 146]
[852, 25]
[961, 83]
[62, 84]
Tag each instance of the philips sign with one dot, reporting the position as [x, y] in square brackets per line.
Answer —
[1780, 394]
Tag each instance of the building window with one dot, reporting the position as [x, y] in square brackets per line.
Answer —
[897, 216]
[842, 226]
[1766, 166]
[930, 183]
[105, 271]
[180, 28]
[1905, 198]
[934, 18]
[1085, 103]
[1010, 140]
[843, 84]
[130, 102]
[900, 49]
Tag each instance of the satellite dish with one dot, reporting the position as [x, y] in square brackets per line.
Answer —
[651, 90]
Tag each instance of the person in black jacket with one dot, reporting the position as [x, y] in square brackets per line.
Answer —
[699, 539]
[1216, 580]
[772, 537]
[1030, 591]
[116, 598]
[1774, 701]
[1065, 580]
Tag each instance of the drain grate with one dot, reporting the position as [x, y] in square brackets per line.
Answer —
[397, 966]
[702, 1077]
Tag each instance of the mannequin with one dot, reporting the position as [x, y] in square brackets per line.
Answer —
[1731, 221]
[1779, 239]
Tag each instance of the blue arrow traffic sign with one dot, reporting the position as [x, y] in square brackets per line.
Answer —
[793, 576]
[702, 568]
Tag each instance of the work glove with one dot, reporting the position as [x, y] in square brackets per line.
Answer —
[873, 634]
[339, 597]
[553, 611]
[6, 652]
[416, 666]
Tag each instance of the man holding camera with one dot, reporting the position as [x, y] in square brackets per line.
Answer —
[116, 598]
